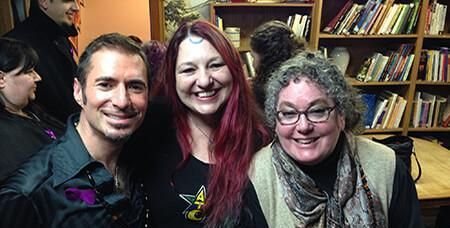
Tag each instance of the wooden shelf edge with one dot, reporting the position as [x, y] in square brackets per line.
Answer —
[420, 82]
[443, 36]
[355, 82]
[429, 129]
[386, 130]
[399, 36]
[248, 4]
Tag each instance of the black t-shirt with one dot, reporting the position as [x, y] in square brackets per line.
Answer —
[176, 196]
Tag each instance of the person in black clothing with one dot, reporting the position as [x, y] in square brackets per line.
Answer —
[198, 175]
[24, 127]
[81, 180]
[47, 30]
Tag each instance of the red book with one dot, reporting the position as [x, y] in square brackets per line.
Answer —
[334, 21]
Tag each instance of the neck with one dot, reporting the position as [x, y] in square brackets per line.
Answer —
[16, 111]
[101, 149]
[202, 138]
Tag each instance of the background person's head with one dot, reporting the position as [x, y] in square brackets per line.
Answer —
[273, 42]
[155, 51]
[62, 12]
[309, 84]
[112, 86]
[17, 76]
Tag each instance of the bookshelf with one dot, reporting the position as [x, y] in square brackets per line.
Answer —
[362, 46]
[248, 16]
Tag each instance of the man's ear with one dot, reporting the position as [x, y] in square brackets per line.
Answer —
[43, 4]
[2, 79]
[77, 92]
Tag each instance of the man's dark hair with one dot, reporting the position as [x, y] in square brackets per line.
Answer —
[111, 41]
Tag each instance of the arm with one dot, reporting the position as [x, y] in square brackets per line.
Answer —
[404, 209]
[17, 210]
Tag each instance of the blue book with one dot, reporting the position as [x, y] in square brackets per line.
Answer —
[370, 101]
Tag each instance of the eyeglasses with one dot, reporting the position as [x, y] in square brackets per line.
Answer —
[313, 115]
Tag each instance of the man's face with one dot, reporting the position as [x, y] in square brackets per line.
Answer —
[60, 11]
[114, 99]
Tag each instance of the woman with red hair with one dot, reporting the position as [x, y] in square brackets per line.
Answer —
[200, 178]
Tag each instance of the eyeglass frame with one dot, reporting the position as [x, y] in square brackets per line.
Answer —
[299, 113]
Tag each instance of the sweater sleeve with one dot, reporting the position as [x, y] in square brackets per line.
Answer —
[404, 209]
[17, 210]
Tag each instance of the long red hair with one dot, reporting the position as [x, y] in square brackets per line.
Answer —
[240, 132]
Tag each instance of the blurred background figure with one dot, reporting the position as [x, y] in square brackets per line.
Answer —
[155, 51]
[24, 127]
[271, 43]
[47, 29]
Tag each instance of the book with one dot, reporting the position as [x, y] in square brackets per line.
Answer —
[333, 23]
[392, 99]
[417, 109]
[399, 112]
[439, 111]
[379, 108]
[370, 101]
[432, 100]
[248, 60]
[414, 17]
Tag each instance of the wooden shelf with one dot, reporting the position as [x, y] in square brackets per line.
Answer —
[420, 82]
[443, 36]
[355, 82]
[247, 4]
[400, 36]
[393, 130]
[429, 129]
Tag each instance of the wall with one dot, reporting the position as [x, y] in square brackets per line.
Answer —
[105, 16]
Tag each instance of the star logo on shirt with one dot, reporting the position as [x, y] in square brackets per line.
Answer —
[194, 211]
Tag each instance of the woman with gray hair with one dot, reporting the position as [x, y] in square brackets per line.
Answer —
[317, 172]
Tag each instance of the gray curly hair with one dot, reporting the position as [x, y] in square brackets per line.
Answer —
[327, 76]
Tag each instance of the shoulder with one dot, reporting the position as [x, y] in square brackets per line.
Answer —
[370, 150]
[32, 174]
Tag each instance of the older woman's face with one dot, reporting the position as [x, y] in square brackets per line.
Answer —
[306, 142]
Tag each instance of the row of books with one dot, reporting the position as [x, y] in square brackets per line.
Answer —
[430, 110]
[433, 65]
[384, 111]
[435, 20]
[299, 24]
[395, 66]
[375, 17]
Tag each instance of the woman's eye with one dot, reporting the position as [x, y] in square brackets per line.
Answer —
[216, 65]
[187, 71]
[289, 114]
[317, 110]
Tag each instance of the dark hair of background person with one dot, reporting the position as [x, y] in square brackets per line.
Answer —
[274, 42]
[155, 51]
[240, 123]
[136, 39]
[16, 53]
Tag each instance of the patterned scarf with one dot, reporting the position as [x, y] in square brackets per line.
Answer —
[351, 205]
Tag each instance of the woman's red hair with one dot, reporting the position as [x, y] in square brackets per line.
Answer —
[239, 133]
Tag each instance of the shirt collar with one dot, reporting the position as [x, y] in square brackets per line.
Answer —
[71, 156]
